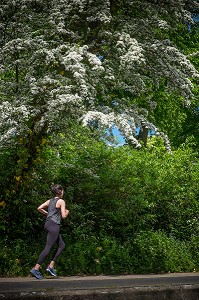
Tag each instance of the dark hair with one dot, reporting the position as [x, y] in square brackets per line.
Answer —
[57, 189]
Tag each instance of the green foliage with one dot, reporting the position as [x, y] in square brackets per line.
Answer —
[156, 252]
[130, 211]
[97, 255]
[17, 254]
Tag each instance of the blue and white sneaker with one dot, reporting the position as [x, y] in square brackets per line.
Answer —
[51, 271]
[36, 273]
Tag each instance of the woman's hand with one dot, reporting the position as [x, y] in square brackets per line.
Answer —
[67, 212]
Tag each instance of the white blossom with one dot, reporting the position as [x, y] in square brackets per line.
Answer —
[50, 68]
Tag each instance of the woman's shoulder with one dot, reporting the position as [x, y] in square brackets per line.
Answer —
[60, 203]
[61, 200]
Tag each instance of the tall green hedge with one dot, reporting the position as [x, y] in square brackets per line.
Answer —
[130, 211]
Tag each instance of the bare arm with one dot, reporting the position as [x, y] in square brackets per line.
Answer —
[64, 211]
[42, 207]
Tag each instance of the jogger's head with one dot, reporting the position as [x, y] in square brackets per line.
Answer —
[57, 190]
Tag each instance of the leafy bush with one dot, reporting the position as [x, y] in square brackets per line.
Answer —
[130, 211]
[18, 256]
[156, 252]
[97, 255]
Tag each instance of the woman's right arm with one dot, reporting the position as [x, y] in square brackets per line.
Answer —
[42, 206]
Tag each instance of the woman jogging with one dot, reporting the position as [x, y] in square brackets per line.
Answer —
[56, 210]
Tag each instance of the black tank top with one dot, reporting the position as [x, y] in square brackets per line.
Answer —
[54, 213]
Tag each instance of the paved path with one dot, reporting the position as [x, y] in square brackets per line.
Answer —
[96, 282]
[76, 284]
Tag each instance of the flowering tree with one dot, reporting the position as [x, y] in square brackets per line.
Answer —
[90, 60]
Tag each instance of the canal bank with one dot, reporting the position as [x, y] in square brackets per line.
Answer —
[183, 286]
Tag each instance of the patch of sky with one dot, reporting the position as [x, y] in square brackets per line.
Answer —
[101, 57]
[115, 138]
[119, 138]
[195, 17]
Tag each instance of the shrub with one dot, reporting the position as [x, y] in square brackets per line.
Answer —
[156, 252]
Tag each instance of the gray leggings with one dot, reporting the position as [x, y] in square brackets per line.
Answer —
[53, 237]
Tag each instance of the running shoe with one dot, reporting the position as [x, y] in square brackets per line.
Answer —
[36, 273]
[51, 271]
